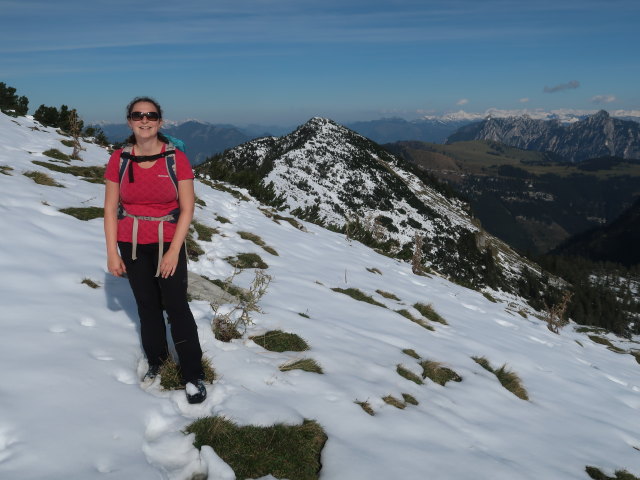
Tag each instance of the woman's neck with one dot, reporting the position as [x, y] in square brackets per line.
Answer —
[148, 146]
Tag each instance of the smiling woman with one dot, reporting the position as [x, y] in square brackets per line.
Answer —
[147, 216]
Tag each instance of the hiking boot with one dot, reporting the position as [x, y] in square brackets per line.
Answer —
[152, 373]
[196, 393]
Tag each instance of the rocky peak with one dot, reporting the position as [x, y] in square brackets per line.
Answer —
[595, 136]
[331, 175]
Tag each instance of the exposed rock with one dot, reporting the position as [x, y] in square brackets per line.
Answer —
[201, 288]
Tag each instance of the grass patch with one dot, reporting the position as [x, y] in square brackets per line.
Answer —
[600, 340]
[270, 250]
[171, 376]
[90, 174]
[279, 341]
[374, 270]
[409, 375]
[290, 220]
[636, 355]
[597, 474]
[306, 364]
[223, 188]
[427, 311]
[223, 219]
[200, 202]
[229, 288]
[193, 249]
[522, 313]
[358, 295]
[419, 321]
[42, 179]
[204, 232]
[67, 143]
[489, 297]
[252, 237]
[366, 407]
[90, 283]
[247, 260]
[388, 295]
[411, 352]
[304, 315]
[507, 378]
[284, 451]
[410, 399]
[435, 372]
[57, 154]
[391, 400]
[84, 213]
[589, 330]
[5, 169]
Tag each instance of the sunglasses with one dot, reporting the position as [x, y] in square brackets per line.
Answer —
[137, 116]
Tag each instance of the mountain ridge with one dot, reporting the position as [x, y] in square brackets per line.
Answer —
[594, 136]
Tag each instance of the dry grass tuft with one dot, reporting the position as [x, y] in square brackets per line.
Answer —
[437, 373]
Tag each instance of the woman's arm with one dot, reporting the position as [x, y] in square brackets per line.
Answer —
[186, 198]
[115, 265]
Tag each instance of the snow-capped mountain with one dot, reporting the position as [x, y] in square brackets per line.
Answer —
[329, 173]
[595, 136]
[562, 115]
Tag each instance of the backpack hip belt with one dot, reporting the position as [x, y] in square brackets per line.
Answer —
[171, 217]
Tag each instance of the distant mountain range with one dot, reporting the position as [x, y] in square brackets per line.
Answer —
[595, 136]
[204, 140]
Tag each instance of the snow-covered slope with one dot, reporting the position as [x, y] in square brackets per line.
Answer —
[71, 406]
[330, 174]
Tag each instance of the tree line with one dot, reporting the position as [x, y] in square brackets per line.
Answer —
[64, 118]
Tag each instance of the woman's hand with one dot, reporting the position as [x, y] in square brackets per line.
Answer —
[169, 263]
[115, 265]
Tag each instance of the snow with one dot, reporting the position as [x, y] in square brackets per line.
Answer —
[72, 406]
[566, 115]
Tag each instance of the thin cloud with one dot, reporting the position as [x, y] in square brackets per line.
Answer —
[572, 85]
[600, 99]
[524, 100]
[462, 101]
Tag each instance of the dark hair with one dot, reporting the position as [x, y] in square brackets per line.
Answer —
[143, 99]
[132, 137]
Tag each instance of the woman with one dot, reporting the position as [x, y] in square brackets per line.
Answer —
[146, 242]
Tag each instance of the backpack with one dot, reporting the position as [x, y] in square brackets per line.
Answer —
[169, 155]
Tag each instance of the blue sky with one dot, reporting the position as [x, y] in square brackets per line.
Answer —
[284, 61]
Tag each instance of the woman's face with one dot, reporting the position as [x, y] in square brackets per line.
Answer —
[144, 128]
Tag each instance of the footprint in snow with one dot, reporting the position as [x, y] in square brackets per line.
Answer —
[544, 342]
[504, 323]
[473, 307]
[104, 466]
[101, 355]
[57, 329]
[126, 377]
[7, 440]
[617, 380]
[88, 322]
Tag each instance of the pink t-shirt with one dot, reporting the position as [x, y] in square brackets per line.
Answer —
[152, 194]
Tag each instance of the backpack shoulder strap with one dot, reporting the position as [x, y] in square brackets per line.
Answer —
[171, 165]
[124, 162]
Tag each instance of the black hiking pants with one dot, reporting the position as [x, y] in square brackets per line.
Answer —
[155, 294]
